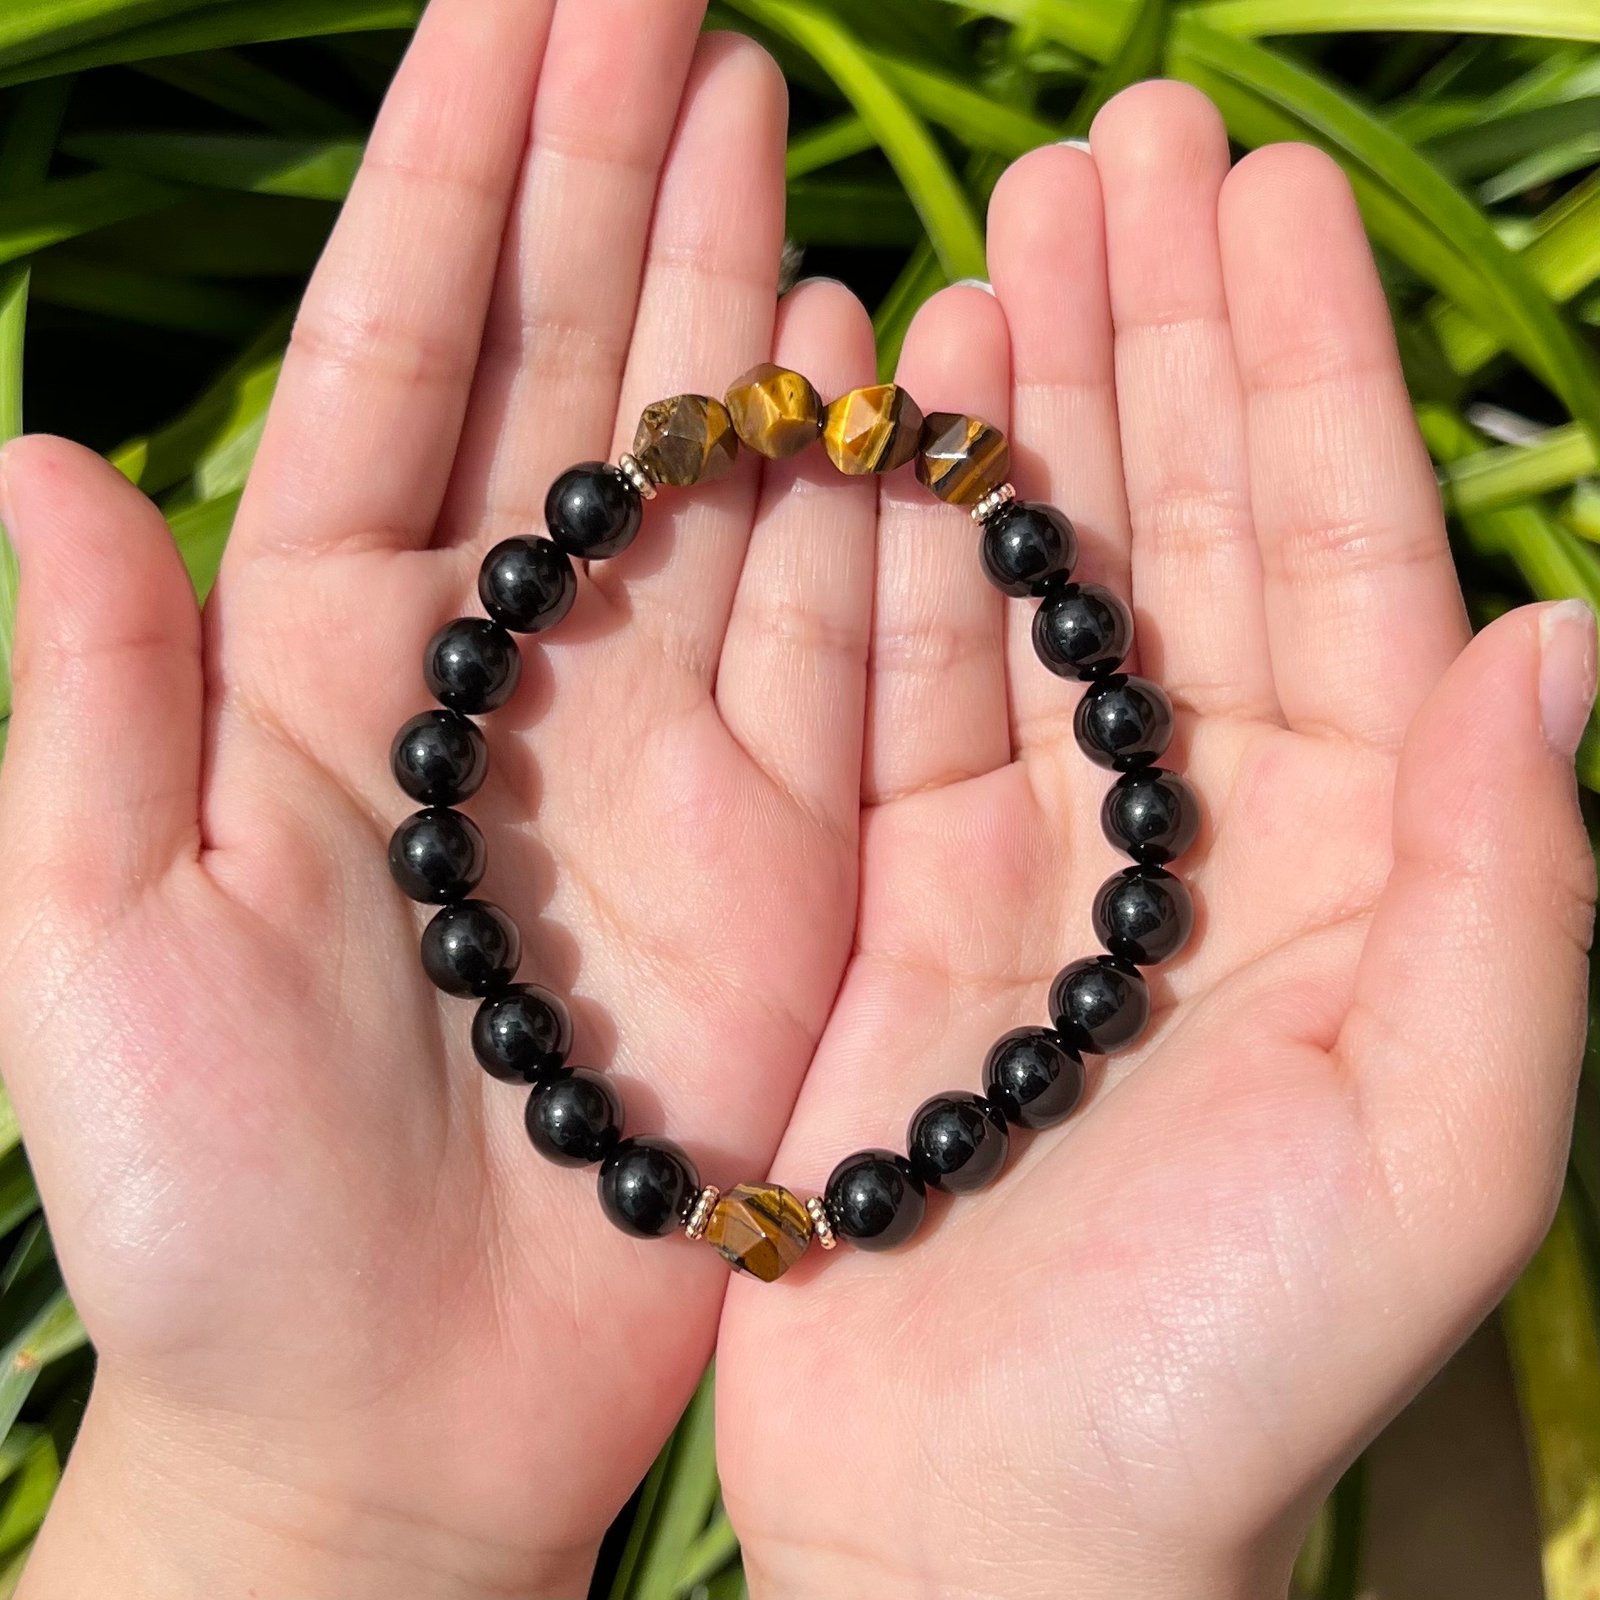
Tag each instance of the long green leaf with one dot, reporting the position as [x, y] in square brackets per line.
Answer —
[1503, 476]
[979, 120]
[67, 208]
[1137, 56]
[236, 83]
[306, 169]
[827, 143]
[856, 212]
[1549, 19]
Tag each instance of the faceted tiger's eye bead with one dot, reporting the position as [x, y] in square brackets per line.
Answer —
[439, 758]
[1150, 814]
[1144, 915]
[775, 412]
[437, 855]
[759, 1228]
[957, 1141]
[592, 511]
[874, 1199]
[522, 1033]
[471, 947]
[961, 458]
[472, 665]
[527, 585]
[574, 1117]
[1099, 1004]
[685, 440]
[1034, 1077]
[1123, 722]
[875, 429]
[646, 1185]
[1025, 545]
[1082, 630]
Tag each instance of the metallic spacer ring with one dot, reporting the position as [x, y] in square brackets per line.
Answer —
[700, 1212]
[820, 1224]
[633, 470]
[992, 502]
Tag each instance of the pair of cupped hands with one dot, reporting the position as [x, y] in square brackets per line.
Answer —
[790, 809]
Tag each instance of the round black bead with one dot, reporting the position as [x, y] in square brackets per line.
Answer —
[472, 665]
[521, 1033]
[527, 585]
[1082, 630]
[1033, 1076]
[1099, 1004]
[1123, 722]
[574, 1117]
[471, 947]
[1150, 814]
[957, 1141]
[439, 758]
[1143, 914]
[593, 511]
[646, 1185]
[1024, 545]
[874, 1199]
[438, 855]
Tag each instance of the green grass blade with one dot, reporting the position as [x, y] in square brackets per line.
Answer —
[1489, 479]
[147, 299]
[708, 1555]
[1137, 56]
[237, 84]
[67, 208]
[921, 276]
[27, 1496]
[852, 212]
[201, 534]
[19, 1199]
[978, 120]
[1546, 19]
[827, 143]
[304, 169]
[1492, 145]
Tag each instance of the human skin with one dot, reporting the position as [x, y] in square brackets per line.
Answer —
[791, 810]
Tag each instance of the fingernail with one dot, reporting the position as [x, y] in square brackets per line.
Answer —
[974, 283]
[1075, 144]
[1566, 673]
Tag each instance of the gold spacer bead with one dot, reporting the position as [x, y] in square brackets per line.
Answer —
[700, 1212]
[991, 502]
[633, 470]
[820, 1224]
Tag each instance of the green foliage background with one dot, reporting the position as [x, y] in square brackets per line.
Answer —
[169, 168]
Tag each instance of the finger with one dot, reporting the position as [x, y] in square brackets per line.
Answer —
[791, 684]
[1363, 609]
[369, 405]
[936, 708]
[1162, 154]
[102, 767]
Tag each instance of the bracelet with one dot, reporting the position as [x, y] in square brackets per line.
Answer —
[1033, 1077]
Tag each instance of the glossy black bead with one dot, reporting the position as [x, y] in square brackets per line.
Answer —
[646, 1185]
[439, 758]
[1151, 815]
[1033, 1076]
[574, 1117]
[1099, 1004]
[1143, 915]
[527, 585]
[874, 1199]
[1081, 630]
[1123, 722]
[472, 665]
[471, 947]
[437, 855]
[1024, 545]
[521, 1033]
[957, 1141]
[593, 511]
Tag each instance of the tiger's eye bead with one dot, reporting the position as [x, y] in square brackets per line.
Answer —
[957, 1141]
[574, 1117]
[1143, 915]
[471, 947]
[961, 458]
[875, 429]
[1082, 630]
[472, 665]
[1034, 1077]
[437, 855]
[759, 1228]
[522, 1033]
[1123, 722]
[775, 412]
[527, 585]
[1099, 1004]
[1025, 545]
[439, 758]
[686, 440]
[1150, 814]
[874, 1199]
[646, 1185]
[592, 511]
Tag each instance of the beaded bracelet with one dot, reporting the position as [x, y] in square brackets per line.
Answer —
[1033, 1077]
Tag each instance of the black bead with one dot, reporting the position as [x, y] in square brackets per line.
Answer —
[472, 665]
[438, 855]
[527, 585]
[874, 1199]
[521, 1033]
[1033, 1076]
[439, 758]
[1099, 1004]
[646, 1185]
[1151, 815]
[574, 1117]
[1082, 630]
[957, 1141]
[1123, 722]
[471, 948]
[1024, 545]
[593, 511]
[1143, 914]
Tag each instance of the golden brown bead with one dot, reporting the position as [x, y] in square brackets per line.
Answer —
[759, 1228]
[872, 430]
[961, 459]
[685, 440]
[775, 411]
